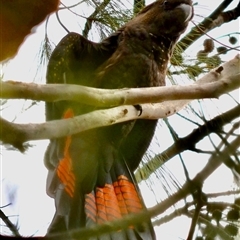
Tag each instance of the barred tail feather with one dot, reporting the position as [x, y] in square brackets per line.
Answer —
[119, 197]
[114, 194]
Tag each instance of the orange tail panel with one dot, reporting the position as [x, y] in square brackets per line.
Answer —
[64, 170]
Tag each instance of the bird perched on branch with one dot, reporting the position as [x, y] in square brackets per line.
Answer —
[91, 173]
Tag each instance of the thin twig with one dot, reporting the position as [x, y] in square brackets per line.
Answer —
[9, 224]
[187, 143]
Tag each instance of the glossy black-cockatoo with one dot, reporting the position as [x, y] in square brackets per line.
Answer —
[91, 173]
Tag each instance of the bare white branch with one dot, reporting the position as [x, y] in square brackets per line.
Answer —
[223, 78]
[218, 81]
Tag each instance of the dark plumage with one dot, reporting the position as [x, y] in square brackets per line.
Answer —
[88, 168]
